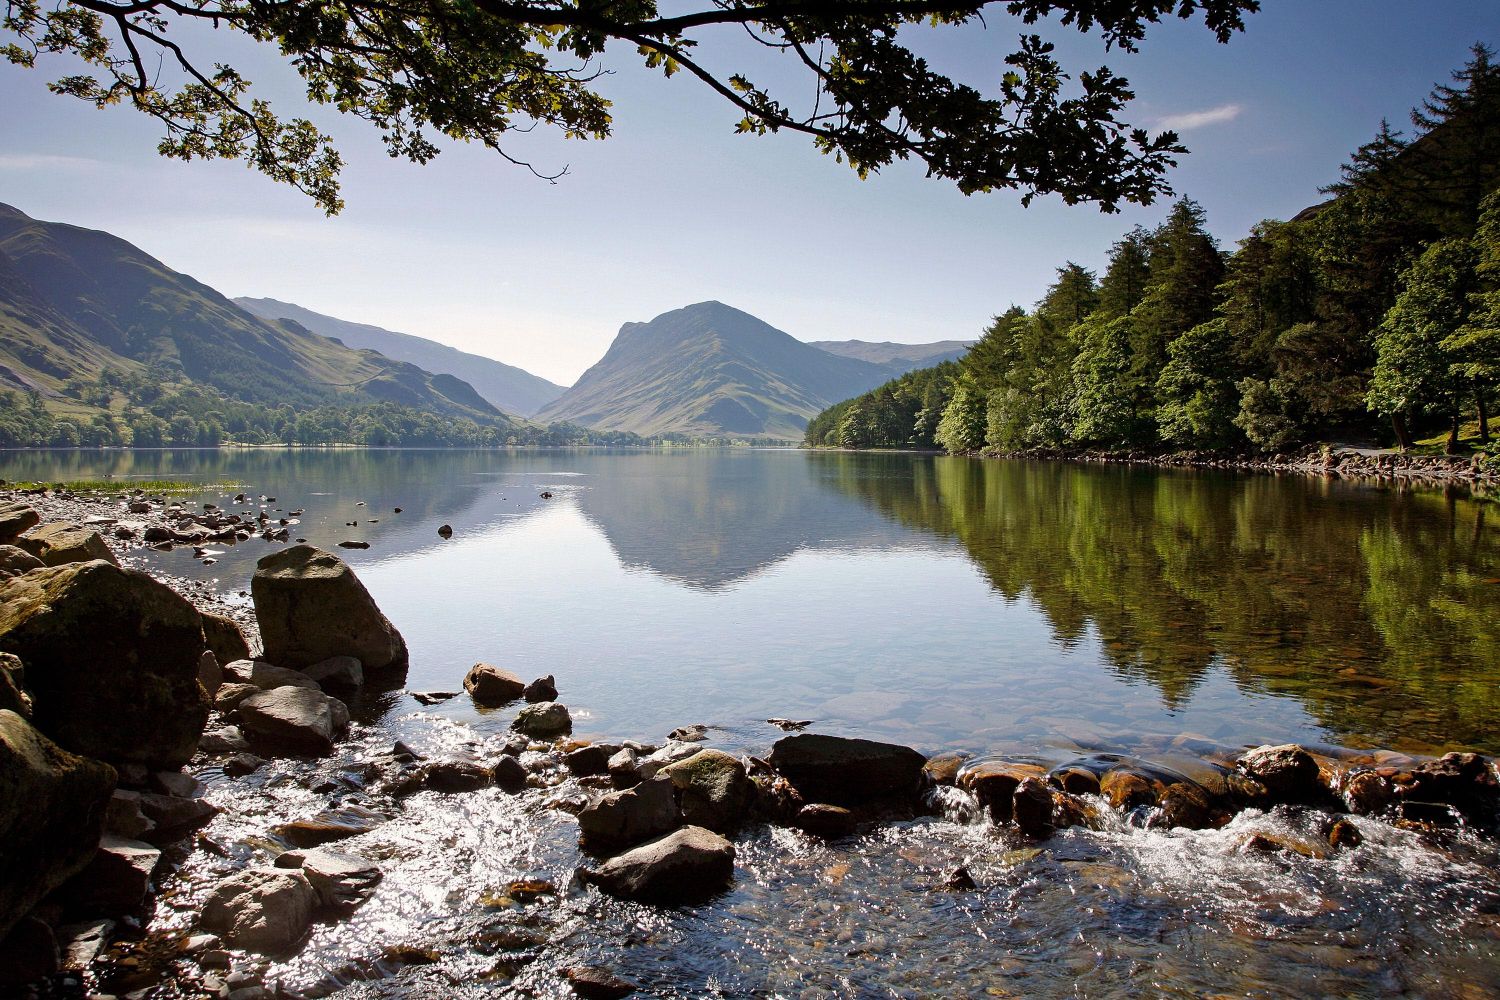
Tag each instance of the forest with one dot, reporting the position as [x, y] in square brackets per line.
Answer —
[1372, 317]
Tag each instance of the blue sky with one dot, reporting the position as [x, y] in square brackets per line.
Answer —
[675, 208]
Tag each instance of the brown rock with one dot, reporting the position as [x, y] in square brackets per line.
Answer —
[618, 819]
[224, 638]
[848, 772]
[684, 866]
[491, 686]
[593, 983]
[823, 820]
[294, 719]
[994, 783]
[14, 561]
[1369, 793]
[16, 518]
[1289, 773]
[267, 910]
[943, 768]
[1075, 780]
[1125, 789]
[311, 606]
[116, 879]
[1031, 808]
[60, 542]
[541, 689]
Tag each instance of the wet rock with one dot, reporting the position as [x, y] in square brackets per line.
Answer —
[827, 821]
[157, 534]
[1031, 808]
[1276, 843]
[16, 518]
[1465, 781]
[329, 826]
[618, 819]
[341, 880]
[943, 768]
[622, 768]
[266, 910]
[994, 784]
[60, 543]
[790, 725]
[491, 686]
[1368, 793]
[696, 733]
[229, 695]
[455, 775]
[13, 695]
[687, 865]
[173, 818]
[959, 880]
[293, 719]
[1069, 810]
[354, 544]
[1289, 773]
[1342, 833]
[1126, 789]
[545, 719]
[124, 817]
[225, 739]
[80, 943]
[594, 983]
[15, 561]
[115, 880]
[52, 811]
[111, 660]
[713, 790]
[224, 638]
[242, 764]
[541, 689]
[176, 783]
[445, 530]
[311, 607]
[587, 760]
[27, 954]
[433, 697]
[848, 772]
[210, 674]
[509, 774]
[337, 673]
[1187, 806]
[651, 765]
[1075, 780]
[265, 676]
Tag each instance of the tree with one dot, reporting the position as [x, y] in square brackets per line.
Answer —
[1196, 389]
[1475, 345]
[1126, 277]
[962, 428]
[482, 70]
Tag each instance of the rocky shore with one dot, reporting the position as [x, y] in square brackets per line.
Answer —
[121, 696]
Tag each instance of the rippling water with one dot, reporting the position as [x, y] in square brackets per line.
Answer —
[942, 603]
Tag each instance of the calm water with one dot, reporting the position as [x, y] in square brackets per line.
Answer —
[939, 602]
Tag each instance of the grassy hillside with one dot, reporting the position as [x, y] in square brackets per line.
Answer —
[900, 358]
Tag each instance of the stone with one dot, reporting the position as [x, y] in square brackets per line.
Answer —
[226, 739]
[83, 942]
[994, 784]
[210, 675]
[618, 819]
[942, 769]
[265, 910]
[53, 806]
[1465, 781]
[27, 954]
[311, 606]
[15, 560]
[827, 821]
[116, 879]
[61, 542]
[455, 775]
[1187, 806]
[341, 880]
[1126, 789]
[1075, 780]
[124, 817]
[1031, 808]
[16, 518]
[13, 695]
[587, 760]
[686, 865]
[848, 772]
[173, 818]
[224, 638]
[328, 826]
[491, 686]
[294, 719]
[651, 765]
[337, 673]
[594, 983]
[623, 767]
[231, 694]
[111, 660]
[545, 719]
[242, 764]
[713, 790]
[433, 697]
[1288, 772]
[265, 676]
[1368, 793]
[176, 783]
[1342, 833]
[541, 689]
[696, 733]
[509, 774]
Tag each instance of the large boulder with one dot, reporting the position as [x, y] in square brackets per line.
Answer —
[224, 637]
[544, 720]
[62, 542]
[263, 675]
[116, 879]
[298, 720]
[267, 910]
[111, 661]
[685, 866]
[618, 819]
[846, 772]
[14, 561]
[16, 518]
[311, 606]
[13, 696]
[52, 809]
[490, 685]
[342, 880]
[712, 789]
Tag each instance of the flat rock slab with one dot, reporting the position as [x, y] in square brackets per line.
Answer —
[61, 542]
[329, 826]
[342, 880]
[266, 676]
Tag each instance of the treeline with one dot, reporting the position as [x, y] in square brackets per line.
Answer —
[1374, 315]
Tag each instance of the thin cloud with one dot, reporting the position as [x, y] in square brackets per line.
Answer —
[1198, 119]
[46, 161]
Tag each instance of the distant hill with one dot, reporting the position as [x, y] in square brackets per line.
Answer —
[75, 302]
[509, 388]
[901, 358]
[710, 369]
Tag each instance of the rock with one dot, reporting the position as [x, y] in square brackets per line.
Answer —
[52, 810]
[541, 689]
[265, 676]
[123, 816]
[670, 754]
[210, 675]
[184, 786]
[1342, 833]
[266, 910]
[225, 739]
[593, 983]
[157, 534]
[1188, 806]
[82, 942]
[509, 774]
[943, 768]
[696, 733]
[337, 673]
[455, 775]
[618, 819]
[27, 954]
[545, 719]
[491, 686]
[15, 561]
[60, 543]
[994, 784]
[294, 719]
[622, 769]
[1465, 781]
[311, 606]
[224, 638]
[823, 820]
[242, 764]
[1368, 793]
[1288, 772]
[231, 694]
[1274, 843]
[713, 790]
[1127, 789]
[848, 772]
[16, 518]
[1031, 808]
[341, 880]
[587, 760]
[354, 544]
[1075, 780]
[959, 880]
[433, 697]
[687, 865]
[13, 696]
[173, 818]
[445, 530]
[116, 879]
[328, 826]
[111, 660]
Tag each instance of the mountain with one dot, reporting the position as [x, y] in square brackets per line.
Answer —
[901, 358]
[509, 388]
[709, 369]
[75, 302]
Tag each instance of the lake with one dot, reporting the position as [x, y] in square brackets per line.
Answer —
[944, 603]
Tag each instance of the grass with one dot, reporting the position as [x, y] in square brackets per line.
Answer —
[127, 486]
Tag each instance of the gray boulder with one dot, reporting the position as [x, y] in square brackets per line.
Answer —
[491, 686]
[712, 789]
[687, 865]
[618, 819]
[293, 719]
[61, 542]
[266, 910]
[846, 772]
[16, 518]
[311, 607]
[545, 719]
[341, 880]
[266, 676]
[52, 810]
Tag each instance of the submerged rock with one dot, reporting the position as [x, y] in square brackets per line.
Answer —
[311, 607]
[848, 772]
[491, 686]
[328, 826]
[266, 910]
[294, 719]
[594, 983]
[687, 865]
[823, 820]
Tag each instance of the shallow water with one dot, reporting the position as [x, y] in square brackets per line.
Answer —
[943, 603]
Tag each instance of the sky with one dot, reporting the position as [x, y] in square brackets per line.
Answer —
[674, 208]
